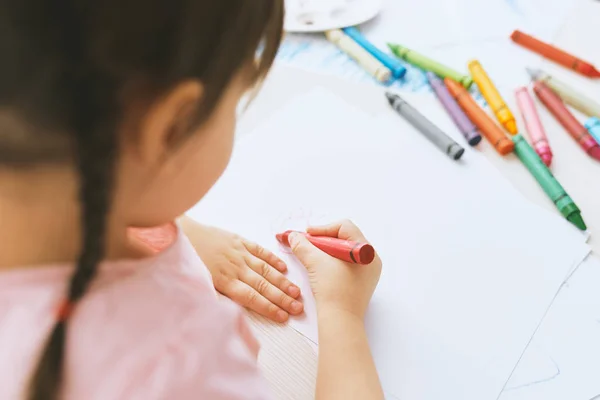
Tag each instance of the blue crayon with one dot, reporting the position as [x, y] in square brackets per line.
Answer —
[398, 70]
[593, 127]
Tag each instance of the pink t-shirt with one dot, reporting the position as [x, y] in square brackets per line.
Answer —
[149, 329]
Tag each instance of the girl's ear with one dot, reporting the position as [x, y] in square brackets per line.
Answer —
[167, 121]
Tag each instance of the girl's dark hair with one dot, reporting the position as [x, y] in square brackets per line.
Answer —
[67, 66]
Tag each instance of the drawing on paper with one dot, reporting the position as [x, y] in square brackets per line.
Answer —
[313, 53]
[544, 380]
[297, 219]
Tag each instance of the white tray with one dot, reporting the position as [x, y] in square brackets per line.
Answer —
[323, 15]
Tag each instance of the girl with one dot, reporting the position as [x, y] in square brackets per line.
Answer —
[116, 114]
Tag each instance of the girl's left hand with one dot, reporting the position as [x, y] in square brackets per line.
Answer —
[245, 272]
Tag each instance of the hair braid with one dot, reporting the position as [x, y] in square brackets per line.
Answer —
[96, 157]
[94, 113]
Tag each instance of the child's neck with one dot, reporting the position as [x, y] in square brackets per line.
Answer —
[40, 220]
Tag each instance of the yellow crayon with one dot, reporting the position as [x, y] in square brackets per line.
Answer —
[493, 98]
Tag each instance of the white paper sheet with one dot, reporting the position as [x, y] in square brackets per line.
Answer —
[470, 267]
[563, 361]
[436, 23]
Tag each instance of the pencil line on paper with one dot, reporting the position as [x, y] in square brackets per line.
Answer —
[556, 374]
[530, 340]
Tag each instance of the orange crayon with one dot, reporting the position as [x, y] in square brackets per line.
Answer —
[492, 132]
[555, 54]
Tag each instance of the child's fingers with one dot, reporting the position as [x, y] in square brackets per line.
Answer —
[344, 229]
[331, 230]
[272, 293]
[248, 297]
[273, 276]
[265, 255]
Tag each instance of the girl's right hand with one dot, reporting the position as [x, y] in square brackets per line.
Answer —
[337, 285]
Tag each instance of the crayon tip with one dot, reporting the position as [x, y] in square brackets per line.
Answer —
[595, 152]
[467, 82]
[591, 122]
[594, 73]
[575, 219]
[539, 87]
[456, 152]
[520, 90]
[391, 97]
[534, 73]
[366, 254]
[473, 64]
[279, 237]
[546, 158]
[453, 86]
[511, 127]
[475, 140]
[505, 146]
[431, 76]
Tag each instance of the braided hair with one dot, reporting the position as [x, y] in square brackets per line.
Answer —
[66, 67]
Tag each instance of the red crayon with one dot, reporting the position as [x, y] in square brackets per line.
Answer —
[555, 105]
[345, 250]
[555, 54]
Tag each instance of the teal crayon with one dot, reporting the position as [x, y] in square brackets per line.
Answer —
[398, 70]
[548, 182]
[593, 127]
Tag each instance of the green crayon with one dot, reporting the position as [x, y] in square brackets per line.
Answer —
[427, 64]
[548, 182]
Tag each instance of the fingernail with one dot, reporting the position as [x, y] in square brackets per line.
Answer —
[282, 265]
[296, 306]
[282, 315]
[292, 236]
[293, 291]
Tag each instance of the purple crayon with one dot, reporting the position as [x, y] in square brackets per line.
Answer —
[466, 127]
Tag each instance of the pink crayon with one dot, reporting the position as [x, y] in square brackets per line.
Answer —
[534, 126]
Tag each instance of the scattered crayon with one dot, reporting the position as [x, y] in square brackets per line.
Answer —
[562, 114]
[555, 54]
[533, 125]
[548, 182]
[398, 70]
[360, 55]
[593, 127]
[464, 124]
[427, 64]
[426, 127]
[493, 98]
[488, 128]
[569, 95]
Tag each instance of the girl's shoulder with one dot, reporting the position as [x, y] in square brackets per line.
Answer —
[147, 329]
[162, 332]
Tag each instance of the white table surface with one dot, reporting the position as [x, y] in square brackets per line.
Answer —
[563, 359]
